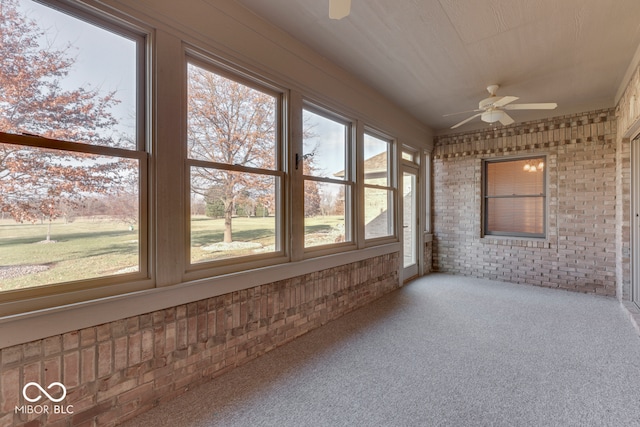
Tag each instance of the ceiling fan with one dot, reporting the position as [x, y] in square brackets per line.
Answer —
[492, 109]
[338, 9]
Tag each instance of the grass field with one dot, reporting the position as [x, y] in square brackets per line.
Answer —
[89, 248]
[260, 231]
[206, 232]
[83, 249]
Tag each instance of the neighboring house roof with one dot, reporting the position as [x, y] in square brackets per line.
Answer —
[376, 166]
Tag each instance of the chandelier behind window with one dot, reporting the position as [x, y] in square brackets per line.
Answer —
[531, 166]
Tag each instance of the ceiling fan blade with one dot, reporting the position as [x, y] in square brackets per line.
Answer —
[338, 9]
[504, 101]
[466, 120]
[461, 112]
[538, 106]
[506, 119]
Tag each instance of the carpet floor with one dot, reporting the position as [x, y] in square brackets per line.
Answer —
[441, 351]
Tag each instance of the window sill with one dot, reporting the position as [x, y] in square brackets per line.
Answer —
[530, 242]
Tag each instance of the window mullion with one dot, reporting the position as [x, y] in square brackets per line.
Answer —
[75, 147]
[233, 168]
[296, 199]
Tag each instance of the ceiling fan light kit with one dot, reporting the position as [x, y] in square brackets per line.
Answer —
[492, 109]
[493, 116]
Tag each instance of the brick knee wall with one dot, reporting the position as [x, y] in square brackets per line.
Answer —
[118, 370]
[579, 252]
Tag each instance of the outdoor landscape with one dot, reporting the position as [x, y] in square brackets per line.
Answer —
[83, 249]
[96, 247]
[72, 160]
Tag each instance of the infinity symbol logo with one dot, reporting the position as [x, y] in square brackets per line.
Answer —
[43, 391]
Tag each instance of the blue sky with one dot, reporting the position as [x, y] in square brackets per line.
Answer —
[102, 58]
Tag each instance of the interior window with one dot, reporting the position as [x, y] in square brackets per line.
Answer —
[515, 197]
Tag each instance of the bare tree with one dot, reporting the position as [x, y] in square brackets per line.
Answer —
[233, 124]
[37, 182]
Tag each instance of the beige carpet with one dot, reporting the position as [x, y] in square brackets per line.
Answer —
[442, 351]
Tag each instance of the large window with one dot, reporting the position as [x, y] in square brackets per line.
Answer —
[72, 150]
[379, 187]
[235, 171]
[328, 178]
[515, 197]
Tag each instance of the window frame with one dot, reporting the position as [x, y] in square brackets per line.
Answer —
[349, 181]
[212, 268]
[485, 198]
[391, 188]
[73, 291]
[426, 169]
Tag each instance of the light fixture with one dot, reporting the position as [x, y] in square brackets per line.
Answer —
[531, 167]
[492, 116]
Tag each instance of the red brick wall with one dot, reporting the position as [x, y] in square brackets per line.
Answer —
[580, 250]
[117, 370]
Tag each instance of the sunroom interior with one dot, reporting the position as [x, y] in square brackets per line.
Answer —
[187, 186]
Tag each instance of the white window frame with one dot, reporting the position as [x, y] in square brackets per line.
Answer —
[62, 293]
[240, 263]
[392, 186]
[351, 234]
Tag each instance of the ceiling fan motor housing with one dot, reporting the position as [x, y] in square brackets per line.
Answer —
[486, 103]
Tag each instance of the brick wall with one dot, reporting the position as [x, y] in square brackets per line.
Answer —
[579, 252]
[115, 371]
[428, 255]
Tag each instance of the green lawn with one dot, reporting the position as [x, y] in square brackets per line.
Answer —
[83, 249]
[209, 231]
[89, 248]
[261, 231]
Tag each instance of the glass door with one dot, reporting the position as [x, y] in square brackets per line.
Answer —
[635, 221]
[410, 221]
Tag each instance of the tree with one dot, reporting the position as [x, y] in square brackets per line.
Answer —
[233, 124]
[39, 182]
[312, 199]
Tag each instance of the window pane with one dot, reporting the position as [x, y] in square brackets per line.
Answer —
[66, 216]
[410, 211]
[377, 158]
[324, 147]
[325, 213]
[408, 156]
[64, 78]
[229, 122]
[523, 177]
[233, 214]
[516, 215]
[378, 213]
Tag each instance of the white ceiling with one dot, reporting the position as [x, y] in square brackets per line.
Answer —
[434, 57]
